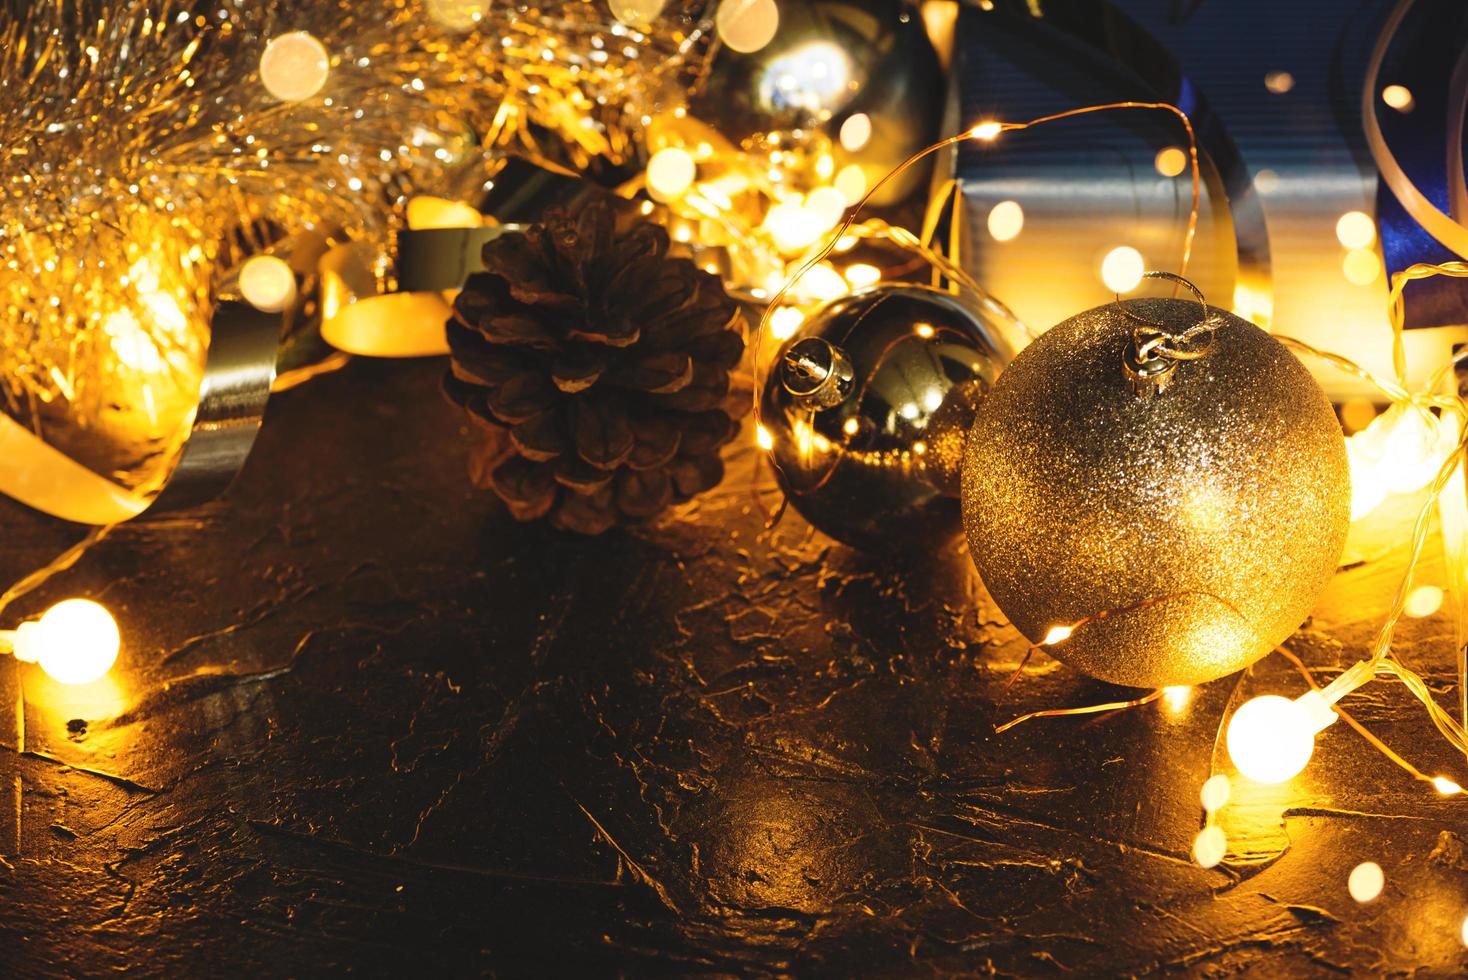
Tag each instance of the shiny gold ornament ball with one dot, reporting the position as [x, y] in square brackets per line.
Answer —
[1182, 536]
[861, 72]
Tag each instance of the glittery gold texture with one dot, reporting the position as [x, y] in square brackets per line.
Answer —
[135, 138]
[1187, 534]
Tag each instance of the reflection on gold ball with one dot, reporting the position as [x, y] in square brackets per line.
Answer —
[1185, 535]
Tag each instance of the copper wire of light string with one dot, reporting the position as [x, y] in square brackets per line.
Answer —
[1089, 709]
[1361, 729]
[57, 565]
[968, 134]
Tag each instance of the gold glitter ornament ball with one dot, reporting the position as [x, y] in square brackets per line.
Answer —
[1181, 536]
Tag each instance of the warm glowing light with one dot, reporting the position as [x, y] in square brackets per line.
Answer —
[1361, 267]
[1446, 786]
[785, 321]
[1398, 97]
[1006, 221]
[670, 172]
[851, 426]
[1279, 82]
[747, 25]
[1210, 846]
[75, 642]
[1401, 451]
[463, 15]
[763, 438]
[294, 66]
[1122, 269]
[1177, 697]
[1266, 181]
[425, 211]
[1355, 229]
[856, 131]
[636, 13]
[1270, 738]
[268, 283]
[1170, 161]
[924, 330]
[861, 274]
[131, 343]
[828, 204]
[1215, 793]
[986, 130]
[822, 282]
[1423, 601]
[1366, 882]
[793, 226]
[1464, 931]
[1057, 634]
[851, 181]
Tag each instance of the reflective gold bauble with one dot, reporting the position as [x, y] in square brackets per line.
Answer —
[1181, 536]
[860, 73]
[867, 408]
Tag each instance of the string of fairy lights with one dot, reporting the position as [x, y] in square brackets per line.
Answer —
[1413, 446]
[785, 212]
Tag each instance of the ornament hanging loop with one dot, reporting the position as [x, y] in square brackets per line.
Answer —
[1154, 352]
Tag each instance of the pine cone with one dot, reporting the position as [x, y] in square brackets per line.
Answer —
[600, 367]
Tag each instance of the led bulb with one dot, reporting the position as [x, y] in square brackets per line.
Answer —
[1271, 738]
[294, 66]
[268, 283]
[75, 642]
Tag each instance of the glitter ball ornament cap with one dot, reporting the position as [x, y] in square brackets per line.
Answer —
[1180, 536]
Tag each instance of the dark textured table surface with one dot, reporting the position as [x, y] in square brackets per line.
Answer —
[366, 722]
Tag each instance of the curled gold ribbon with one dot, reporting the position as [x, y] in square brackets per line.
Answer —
[236, 384]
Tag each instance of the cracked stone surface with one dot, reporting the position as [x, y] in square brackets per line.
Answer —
[365, 722]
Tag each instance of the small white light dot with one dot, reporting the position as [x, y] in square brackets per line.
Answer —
[267, 283]
[1122, 269]
[294, 66]
[1056, 635]
[785, 321]
[828, 204]
[462, 15]
[1361, 267]
[747, 25]
[856, 131]
[1366, 882]
[1398, 97]
[1006, 221]
[636, 13]
[1215, 793]
[862, 274]
[851, 181]
[1210, 846]
[1279, 82]
[1170, 161]
[1423, 601]
[670, 172]
[1355, 229]
[986, 130]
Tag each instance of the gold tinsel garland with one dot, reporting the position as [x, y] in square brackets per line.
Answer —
[139, 138]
